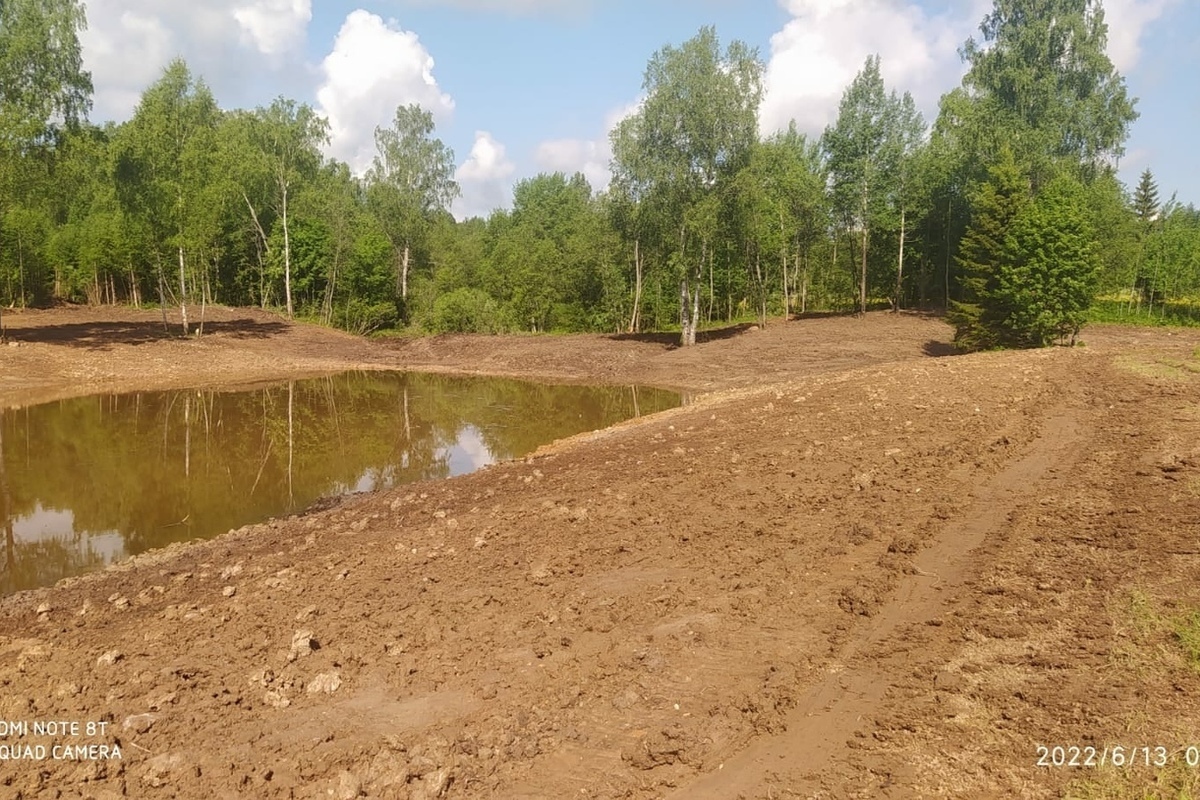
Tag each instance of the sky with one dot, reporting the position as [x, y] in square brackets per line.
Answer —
[519, 87]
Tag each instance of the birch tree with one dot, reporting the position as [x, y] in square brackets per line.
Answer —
[165, 158]
[691, 135]
[861, 161]
[411, 179]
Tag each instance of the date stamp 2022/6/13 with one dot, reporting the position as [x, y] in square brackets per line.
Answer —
[1142, 755]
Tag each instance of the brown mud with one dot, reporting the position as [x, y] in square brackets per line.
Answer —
[852, 566]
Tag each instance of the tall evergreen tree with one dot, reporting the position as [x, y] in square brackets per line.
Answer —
[997, 205]
[1047, 271]
[1145, 200]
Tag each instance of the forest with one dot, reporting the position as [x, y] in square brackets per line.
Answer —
[1005, 211]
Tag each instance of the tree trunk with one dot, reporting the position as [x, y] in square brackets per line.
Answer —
[287, 250]
[711, 288]
[946, 271]
[635, 316]
[862, 275]
[404, 256]
[787, 290]
[183, 292]
[804, 285]
[900, 264]
[162, 299]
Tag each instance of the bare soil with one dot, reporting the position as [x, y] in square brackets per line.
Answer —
[852, 566]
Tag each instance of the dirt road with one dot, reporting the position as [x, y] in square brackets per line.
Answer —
[850, 567]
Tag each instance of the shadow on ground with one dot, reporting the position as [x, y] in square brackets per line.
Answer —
[102, 335]
[671, 340]
[938, 349]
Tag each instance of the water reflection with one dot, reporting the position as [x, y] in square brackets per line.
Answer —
[87, 481]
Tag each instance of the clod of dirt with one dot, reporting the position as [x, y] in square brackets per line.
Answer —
[858, 600]
[904, 544]
[859, 533]
[668, 746]
[160, 769]
[947, 681]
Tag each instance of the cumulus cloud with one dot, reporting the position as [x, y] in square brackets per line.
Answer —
[485, 178]
[825, 43]
[508, 6]
[129, 42]
[1127, 21]
[274, 26]
[592, 157]
[374, 67]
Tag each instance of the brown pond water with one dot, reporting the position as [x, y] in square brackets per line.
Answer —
[88, 481]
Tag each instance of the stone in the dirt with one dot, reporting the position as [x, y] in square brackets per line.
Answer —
[325, 683]
[303, 643]
[276, 699]
[139, 723]
[432, 785]
[346, 787]
[159, 769]
[44, 608]
[229, 591]
[109, 658]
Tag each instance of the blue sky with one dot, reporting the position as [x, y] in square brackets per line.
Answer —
[522, 86]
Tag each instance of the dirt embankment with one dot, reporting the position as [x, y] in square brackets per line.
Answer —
[858, 570]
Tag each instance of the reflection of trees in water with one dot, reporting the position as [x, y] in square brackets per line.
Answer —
[160, 467]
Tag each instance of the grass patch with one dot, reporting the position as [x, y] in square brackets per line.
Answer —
[1187, 632]
[1175, 314]
[1152, 643]
[1159, 368]
[1176, 781]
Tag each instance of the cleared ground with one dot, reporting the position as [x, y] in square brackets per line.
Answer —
[852, 566]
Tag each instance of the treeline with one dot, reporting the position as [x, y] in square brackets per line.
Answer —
[704, 220]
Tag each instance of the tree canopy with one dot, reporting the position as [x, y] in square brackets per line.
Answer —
[1006, 211]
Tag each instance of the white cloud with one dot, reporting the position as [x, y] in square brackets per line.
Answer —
[819, 51]
[485, 178]
[274, 26]
[129, 42]
[1127, 21]
[592, 157]
[374, 67]
[508, 6]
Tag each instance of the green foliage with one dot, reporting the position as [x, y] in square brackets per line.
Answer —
[361, 316]
[466, 311]
[1041, 81]
[409, 183]
[42, 80]
[704, 221]
[997, 205]
[1047, 273]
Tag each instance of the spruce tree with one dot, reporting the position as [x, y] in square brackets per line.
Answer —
[1145, 200]
[1047, 271]
[976, 318]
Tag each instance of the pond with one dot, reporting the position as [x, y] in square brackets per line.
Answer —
[88, 481]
